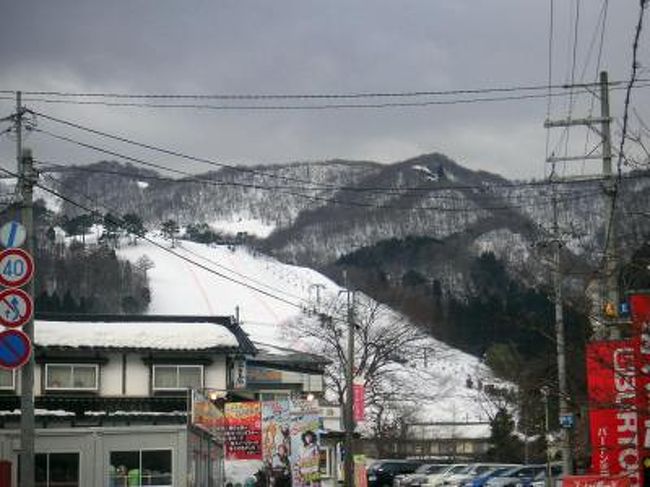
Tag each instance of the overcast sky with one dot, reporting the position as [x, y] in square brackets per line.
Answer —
[311, 47]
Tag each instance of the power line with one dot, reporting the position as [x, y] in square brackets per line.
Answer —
[327, 106]
[160, 246]
[221, 165]
[321, 199]
[628, 91]
[299, 96]
[48, 166]
[225, 268]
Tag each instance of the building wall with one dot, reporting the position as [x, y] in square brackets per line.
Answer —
[94, 446]
[215, 376]
[137, 376]
[125, 374]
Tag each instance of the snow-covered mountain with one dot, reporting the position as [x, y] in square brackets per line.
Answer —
[272, 299]
[315, 213]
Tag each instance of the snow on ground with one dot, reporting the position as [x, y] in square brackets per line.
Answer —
[449, 380]
[251, 226]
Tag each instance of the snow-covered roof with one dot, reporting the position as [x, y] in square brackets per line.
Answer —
[158, 335]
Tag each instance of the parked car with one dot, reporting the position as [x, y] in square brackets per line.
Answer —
[417, 478]
[482, 479]
[540, 479]
[510, 478]
[437, 479]
[472, 471]
[382, 472]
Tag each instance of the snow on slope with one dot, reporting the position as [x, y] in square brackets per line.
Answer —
[438, 383]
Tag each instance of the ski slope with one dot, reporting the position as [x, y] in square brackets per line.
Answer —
[270, 297]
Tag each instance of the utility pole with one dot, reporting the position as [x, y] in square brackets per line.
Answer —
[610, 293]
[25, 185]
[611, 297]
[563, 389]
[349, 396]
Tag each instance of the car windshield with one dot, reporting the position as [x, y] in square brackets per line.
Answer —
[458, 469]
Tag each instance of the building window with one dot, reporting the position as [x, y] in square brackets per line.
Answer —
[177, 377]
[54, 469]
[78, 377]
[136, 468]
[464, 447]
[7, 380]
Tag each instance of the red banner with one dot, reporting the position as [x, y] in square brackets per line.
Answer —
[243, 431]
[594, 481]
[640, 308]
[611, 369]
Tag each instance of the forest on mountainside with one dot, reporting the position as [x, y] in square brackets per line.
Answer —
[74, 277]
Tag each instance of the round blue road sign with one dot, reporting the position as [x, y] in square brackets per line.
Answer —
[15, 349]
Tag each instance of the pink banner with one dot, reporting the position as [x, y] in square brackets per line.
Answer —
[359, 402]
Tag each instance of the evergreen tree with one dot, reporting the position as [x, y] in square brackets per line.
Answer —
[504, 445]
[170, 230]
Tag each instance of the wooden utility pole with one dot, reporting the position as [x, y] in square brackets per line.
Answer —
[24, 188]
[610, 287]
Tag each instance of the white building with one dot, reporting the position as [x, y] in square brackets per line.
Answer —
[112, 399]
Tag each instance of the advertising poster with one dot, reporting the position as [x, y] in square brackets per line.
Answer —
[243, 431]
[276, 442]
[305, 451]
[243, 445]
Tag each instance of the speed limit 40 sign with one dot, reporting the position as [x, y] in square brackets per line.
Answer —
[16, 267]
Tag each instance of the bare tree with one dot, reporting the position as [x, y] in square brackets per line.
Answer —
[387, 347]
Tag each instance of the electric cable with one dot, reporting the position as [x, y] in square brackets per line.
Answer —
[297, 96]
[160, 246]
[49, 166]
[221, 266]
[321, 199]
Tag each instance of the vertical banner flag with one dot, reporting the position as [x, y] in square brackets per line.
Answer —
[640, 308]
[243, 431]
[359, 400]
[613, 416]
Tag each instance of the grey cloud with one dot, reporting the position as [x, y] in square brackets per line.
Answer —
[305, 46]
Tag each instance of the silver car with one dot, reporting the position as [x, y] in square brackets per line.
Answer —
[516, 475]
[437, 479]
[419, 477]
